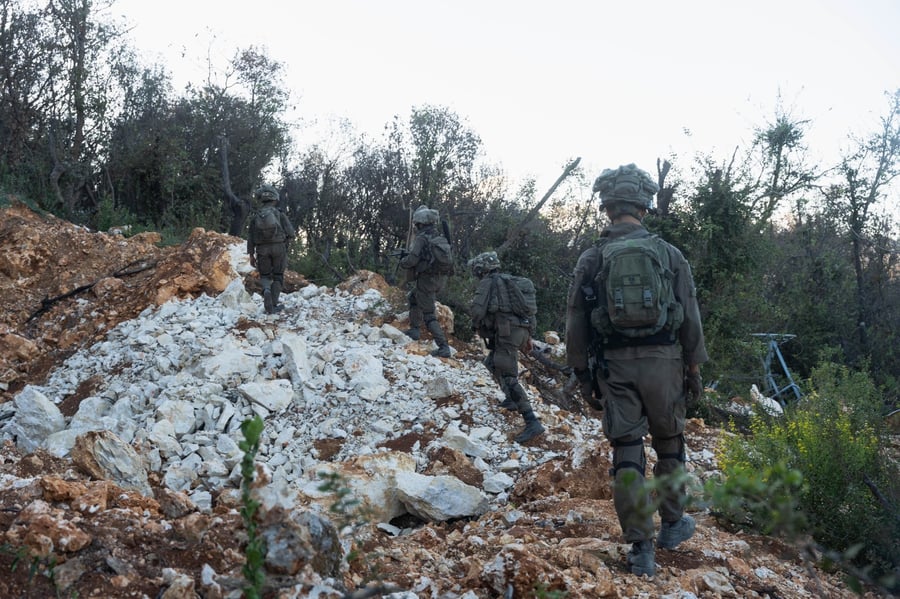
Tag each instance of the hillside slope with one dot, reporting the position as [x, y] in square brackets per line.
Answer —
[126, 370]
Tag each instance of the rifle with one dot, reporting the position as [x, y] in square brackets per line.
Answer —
[596, 361]
[399, 254]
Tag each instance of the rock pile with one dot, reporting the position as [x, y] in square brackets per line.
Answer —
[120, 470]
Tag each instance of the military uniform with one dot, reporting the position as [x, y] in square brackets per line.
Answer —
[270, 258]
[505, 334]
[427, 283]
[643, 391]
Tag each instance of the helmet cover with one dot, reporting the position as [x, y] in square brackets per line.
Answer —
[484, 262]
[627, 184]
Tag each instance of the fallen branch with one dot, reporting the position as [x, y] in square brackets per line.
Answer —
[127, 270]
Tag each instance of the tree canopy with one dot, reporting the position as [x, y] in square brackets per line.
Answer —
[778, 243]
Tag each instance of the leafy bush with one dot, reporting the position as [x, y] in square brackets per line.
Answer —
[849, 490]
[109, 215]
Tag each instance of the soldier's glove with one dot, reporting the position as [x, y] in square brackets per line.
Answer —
[586, 386]
[253, 260]
[693, 387]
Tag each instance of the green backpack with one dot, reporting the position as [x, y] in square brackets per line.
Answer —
[437, 257]
[267, 223]
[635, 298]
[521, 293]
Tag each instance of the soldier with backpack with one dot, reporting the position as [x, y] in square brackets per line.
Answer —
[503, 313]
[635, 341]
[428, 263]
[267, 243]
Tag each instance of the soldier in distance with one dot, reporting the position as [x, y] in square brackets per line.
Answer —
[495, 319]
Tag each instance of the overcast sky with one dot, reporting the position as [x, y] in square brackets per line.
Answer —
[543, 82]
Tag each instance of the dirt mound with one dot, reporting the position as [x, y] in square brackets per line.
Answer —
[63, 286]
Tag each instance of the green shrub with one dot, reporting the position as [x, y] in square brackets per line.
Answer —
[255, 552]
[848, 495]
[109, 215]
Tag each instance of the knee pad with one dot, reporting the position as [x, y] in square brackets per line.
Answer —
[670, 448]
[510, 381]
[629, 454]
[515, 387]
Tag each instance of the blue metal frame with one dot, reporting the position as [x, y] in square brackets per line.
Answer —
[773, 340]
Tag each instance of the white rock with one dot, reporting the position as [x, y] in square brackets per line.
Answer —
[274, 396]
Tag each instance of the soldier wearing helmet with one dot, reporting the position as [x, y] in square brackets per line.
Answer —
[505, 332]
[643, 383]
[428, 277]
[268, 238]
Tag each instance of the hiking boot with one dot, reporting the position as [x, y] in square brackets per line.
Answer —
[267, 301]
[531, 430]
[672, 534]
[642, 559]
[277, 308]
[442, 352]
[412, 333]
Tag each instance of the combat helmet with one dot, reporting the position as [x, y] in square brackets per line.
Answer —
[266, 194]
[425, 216]
[627, 184]
[484, 263]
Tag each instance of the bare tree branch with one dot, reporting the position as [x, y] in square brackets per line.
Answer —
[516, 232]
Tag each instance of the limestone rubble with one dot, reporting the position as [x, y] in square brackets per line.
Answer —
[126, 370]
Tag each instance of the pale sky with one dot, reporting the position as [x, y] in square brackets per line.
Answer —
[544, 82]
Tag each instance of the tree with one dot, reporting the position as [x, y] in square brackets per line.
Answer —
[80, 92]
[867, 172]
[783, 169]
[25, 50]
[57, 66]
[444, 153]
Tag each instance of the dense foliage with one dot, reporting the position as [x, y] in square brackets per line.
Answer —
[777, 244]
[821, 469]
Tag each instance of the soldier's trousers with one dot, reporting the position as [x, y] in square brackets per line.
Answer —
[644, 393]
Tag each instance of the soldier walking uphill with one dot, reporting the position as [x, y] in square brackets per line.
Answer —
[427, 264]
[503, 311]
[267, 243]
[632, 311]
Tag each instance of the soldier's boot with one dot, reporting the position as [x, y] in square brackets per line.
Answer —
[533, 428]
[276, 292]
[672, 534]
[509, 404]
[642, 559]
[267, 300]
[413, 333]
[437, 333]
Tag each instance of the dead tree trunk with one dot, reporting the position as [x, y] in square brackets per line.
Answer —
[664, 195]
[239, 208]
[516, 232]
